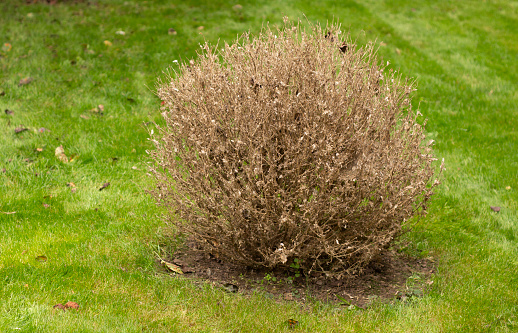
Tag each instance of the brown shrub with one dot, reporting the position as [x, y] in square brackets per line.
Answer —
[295, 144]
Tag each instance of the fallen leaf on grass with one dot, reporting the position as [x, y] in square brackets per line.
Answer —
[71, 184]
[84, 116]
[171, 31]
[105, 185]
[68, 305]
[231, 287]
[107, 43]
[172, 267]
[292, 323]
[41, 258]
[99, 109]
[20, 129]
[201, 27]
[39, 149]
[25, 81]
[59, 306]
[7, 47]
[72, 305]
[60, 154]
[495, 208]
[508, 188]
[237, 8]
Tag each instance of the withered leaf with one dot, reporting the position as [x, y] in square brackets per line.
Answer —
[60, 154]
[292, 323]
[7, 47]
[84, 116]
[171, 31]
[495, 208]
[20, 129]
[39, 149]
[7, 111]
[231, 287]
[172, 267]
[71, 305]
[41, 258]
[71, 184]
[101, 108]
[25, 81]
[59, 306]
[105, 185]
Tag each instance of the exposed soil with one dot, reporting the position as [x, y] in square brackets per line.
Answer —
[393, 277]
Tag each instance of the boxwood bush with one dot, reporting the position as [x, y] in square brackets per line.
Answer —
[293, 144]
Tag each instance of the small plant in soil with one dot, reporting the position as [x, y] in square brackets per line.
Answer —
[294, 149]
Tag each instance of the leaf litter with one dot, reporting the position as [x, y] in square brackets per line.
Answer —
[68, 305]
[25, 81]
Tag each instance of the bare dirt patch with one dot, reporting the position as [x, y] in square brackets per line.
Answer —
[392, 277]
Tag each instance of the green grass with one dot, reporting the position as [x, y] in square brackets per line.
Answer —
[101, 245]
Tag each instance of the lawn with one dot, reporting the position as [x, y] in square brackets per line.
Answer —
[81, 76]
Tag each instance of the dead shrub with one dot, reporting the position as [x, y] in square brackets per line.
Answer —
[295, 144]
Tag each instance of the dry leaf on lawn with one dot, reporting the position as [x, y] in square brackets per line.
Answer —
[59, 306]
[72, 305]
[41, 258]
[20, 129]
[25, 81]
[60, 154]
[172, 267]
[7, 47]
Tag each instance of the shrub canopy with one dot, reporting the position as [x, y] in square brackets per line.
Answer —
[295, 144]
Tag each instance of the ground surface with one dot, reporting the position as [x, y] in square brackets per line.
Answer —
[79, 75]
[393, 277]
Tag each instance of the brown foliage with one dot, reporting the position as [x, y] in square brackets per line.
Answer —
[295, 144]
